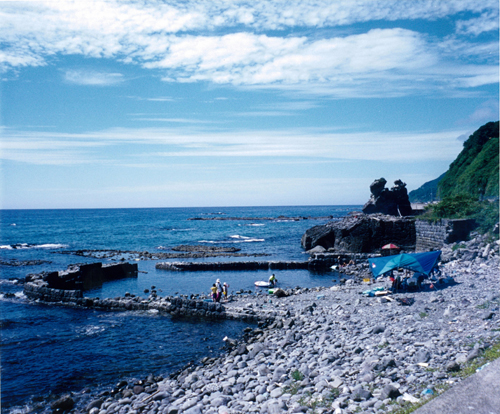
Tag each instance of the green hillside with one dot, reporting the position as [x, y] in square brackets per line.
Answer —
[475, 170]
[427, 192]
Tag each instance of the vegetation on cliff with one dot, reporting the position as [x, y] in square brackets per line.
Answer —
[465, 206]
[474, 172]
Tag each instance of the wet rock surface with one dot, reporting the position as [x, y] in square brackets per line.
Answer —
[193, 253]
[202, 248]
[278, 218]
[14, 262]
[335, 350]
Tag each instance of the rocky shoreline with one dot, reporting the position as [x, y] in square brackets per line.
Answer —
[181, 252]
[334, 350]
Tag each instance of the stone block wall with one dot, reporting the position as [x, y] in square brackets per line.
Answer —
[432, 236]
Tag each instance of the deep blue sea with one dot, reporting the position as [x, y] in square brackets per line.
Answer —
[54, 349]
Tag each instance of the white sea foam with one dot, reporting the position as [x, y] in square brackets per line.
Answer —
[91, 330]
[251, 240]
[21, 246]
[50, 246]
[8, 282]
[21, 410]
[244, 240]
[9, 298]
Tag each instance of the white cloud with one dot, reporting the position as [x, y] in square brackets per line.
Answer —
[244, 58]
[485, 23]
[93, 78]
[226, 42]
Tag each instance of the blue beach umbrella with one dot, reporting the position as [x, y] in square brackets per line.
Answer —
[418, 262]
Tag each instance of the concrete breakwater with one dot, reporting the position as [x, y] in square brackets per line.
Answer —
[68, 285]
[67, 288]
[243, 265]
[81, 276]
[173, 306]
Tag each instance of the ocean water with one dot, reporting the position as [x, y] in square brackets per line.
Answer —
[54, 349]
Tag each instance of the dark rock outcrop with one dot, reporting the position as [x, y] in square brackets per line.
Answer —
[362, 234]
[394, 202]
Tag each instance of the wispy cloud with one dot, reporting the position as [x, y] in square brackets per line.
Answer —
[154, 99]
[289, 108]
[485, 112]
[92, 78]
[175, 120]
[304, 143]
[487, 22]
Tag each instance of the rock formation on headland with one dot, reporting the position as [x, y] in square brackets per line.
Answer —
[394, 201]
[362, 233]
[384, 220]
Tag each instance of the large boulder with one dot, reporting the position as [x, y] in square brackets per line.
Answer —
[362, 233]
[394, 201]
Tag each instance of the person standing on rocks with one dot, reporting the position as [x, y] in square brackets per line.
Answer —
[214, 292]
[218, 284]
[225, 288]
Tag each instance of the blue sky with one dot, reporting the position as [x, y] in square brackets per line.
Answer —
[234, 103]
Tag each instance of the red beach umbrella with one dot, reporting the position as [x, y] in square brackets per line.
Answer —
[390, 246]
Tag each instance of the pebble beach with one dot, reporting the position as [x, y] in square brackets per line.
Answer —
[336, 350]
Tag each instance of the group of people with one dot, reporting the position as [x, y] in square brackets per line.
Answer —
[407, 282]
[219, 290]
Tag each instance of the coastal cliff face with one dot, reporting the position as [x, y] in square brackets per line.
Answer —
[362, 234]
